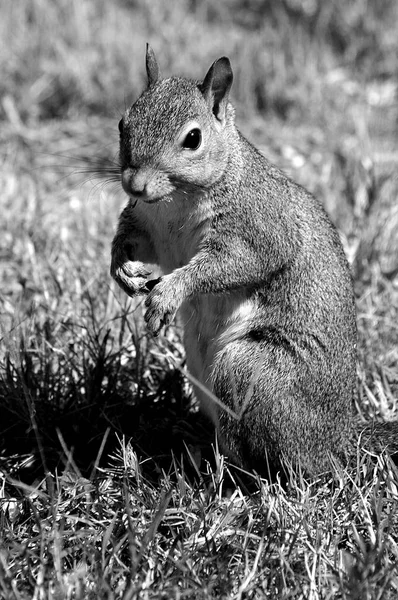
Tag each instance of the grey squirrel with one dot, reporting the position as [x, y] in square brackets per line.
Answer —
[252, 263]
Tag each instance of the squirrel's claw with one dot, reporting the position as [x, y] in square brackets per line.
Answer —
[131, 276]
[162, 305]
[155, 323]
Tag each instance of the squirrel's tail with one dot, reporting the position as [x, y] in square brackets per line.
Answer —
[377, 437]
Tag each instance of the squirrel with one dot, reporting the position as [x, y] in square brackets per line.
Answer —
[255, 268]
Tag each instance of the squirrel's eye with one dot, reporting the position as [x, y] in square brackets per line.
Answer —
[120, 126]
[193, 139]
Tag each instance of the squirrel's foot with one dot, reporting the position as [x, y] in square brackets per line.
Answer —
[131, 276]
[163, 302]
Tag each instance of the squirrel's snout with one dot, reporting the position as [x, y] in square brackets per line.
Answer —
[134, 182]
[150, 185]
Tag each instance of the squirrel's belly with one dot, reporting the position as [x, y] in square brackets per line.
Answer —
[218, 318]
[211, 321]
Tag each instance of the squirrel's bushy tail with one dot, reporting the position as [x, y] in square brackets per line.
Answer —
[377, 437]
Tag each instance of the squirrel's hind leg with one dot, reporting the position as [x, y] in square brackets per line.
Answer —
[274, 423]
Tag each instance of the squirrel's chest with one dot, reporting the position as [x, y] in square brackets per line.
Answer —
[177, 229]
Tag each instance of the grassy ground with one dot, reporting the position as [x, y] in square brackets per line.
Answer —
[110, 486]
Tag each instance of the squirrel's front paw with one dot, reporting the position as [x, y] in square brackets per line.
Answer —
[163, 302]
[131, 276]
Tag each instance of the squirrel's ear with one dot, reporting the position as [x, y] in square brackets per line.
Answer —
[216, 85]
[152, 68]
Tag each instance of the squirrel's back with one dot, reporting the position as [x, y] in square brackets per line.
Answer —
[283, 348]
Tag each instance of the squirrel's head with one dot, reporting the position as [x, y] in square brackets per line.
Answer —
[177, 136]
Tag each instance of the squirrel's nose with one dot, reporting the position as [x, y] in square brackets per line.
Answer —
[136, 191]
[134, 182]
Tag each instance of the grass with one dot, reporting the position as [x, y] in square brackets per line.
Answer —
[111, 485]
